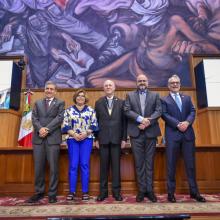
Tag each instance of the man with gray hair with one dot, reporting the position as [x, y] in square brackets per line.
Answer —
[47, 117]
[179, 115]
[111, 138]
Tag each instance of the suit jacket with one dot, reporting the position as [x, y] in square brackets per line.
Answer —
[51, 118]
[172, 116]
[152, 110]
[112, 128]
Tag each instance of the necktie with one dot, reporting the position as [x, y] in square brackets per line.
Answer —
[178, 102]
[110, 105]
[142, 101]
[47, 104]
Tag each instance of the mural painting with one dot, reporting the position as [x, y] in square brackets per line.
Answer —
[80, 43]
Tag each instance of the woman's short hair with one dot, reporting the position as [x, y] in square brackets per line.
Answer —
[77, 93]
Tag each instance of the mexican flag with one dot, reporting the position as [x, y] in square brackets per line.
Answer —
[26, 128]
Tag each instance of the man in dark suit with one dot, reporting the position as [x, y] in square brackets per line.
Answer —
[47, 117]
[143, 108]
[111, 138]
[179, 115]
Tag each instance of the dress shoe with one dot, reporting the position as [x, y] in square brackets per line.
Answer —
[151, 196]
[140, 197]
[171, 198]
[52, 199]
[117, 197]
[197, 197]
[101, 197]
[35, 198]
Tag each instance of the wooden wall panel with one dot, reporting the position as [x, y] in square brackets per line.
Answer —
[17, 176]
[209, 126]
[9, 127]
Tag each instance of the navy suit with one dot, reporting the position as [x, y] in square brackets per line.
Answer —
[177, 141]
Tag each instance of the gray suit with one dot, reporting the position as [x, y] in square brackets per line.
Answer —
[143, 142]
[47, 148]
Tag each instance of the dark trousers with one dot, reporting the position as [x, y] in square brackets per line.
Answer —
[143, 149]
[43, 153]
[110, 154]
[187, 148]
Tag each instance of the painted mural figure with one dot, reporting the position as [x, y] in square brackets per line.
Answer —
[206, 18]
[38, 30]
[119, 39]
[76, 58]
[164, 48]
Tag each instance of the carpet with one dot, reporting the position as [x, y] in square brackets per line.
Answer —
[16, 207]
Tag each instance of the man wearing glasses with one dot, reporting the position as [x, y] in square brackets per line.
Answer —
[143, 108]
[179, 115]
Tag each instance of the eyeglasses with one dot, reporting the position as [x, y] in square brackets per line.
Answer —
[172, 83]
[142, 81]
[81, 96]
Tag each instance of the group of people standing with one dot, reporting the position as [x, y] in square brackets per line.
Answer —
[107, 126]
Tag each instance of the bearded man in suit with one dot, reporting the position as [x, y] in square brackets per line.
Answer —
[179, 115]
[47, 117]
[143, 108]
[111, 138]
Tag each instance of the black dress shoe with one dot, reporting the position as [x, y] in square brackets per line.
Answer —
[140, 197]
[35, 198]
[151, 196]
[171, 198]
[117, 197]
[197, 197]
[101, 197]
[52, 199]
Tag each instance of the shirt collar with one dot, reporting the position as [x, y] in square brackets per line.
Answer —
[109, 97]
[50, 99]
[144, 91]
[174, 94]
